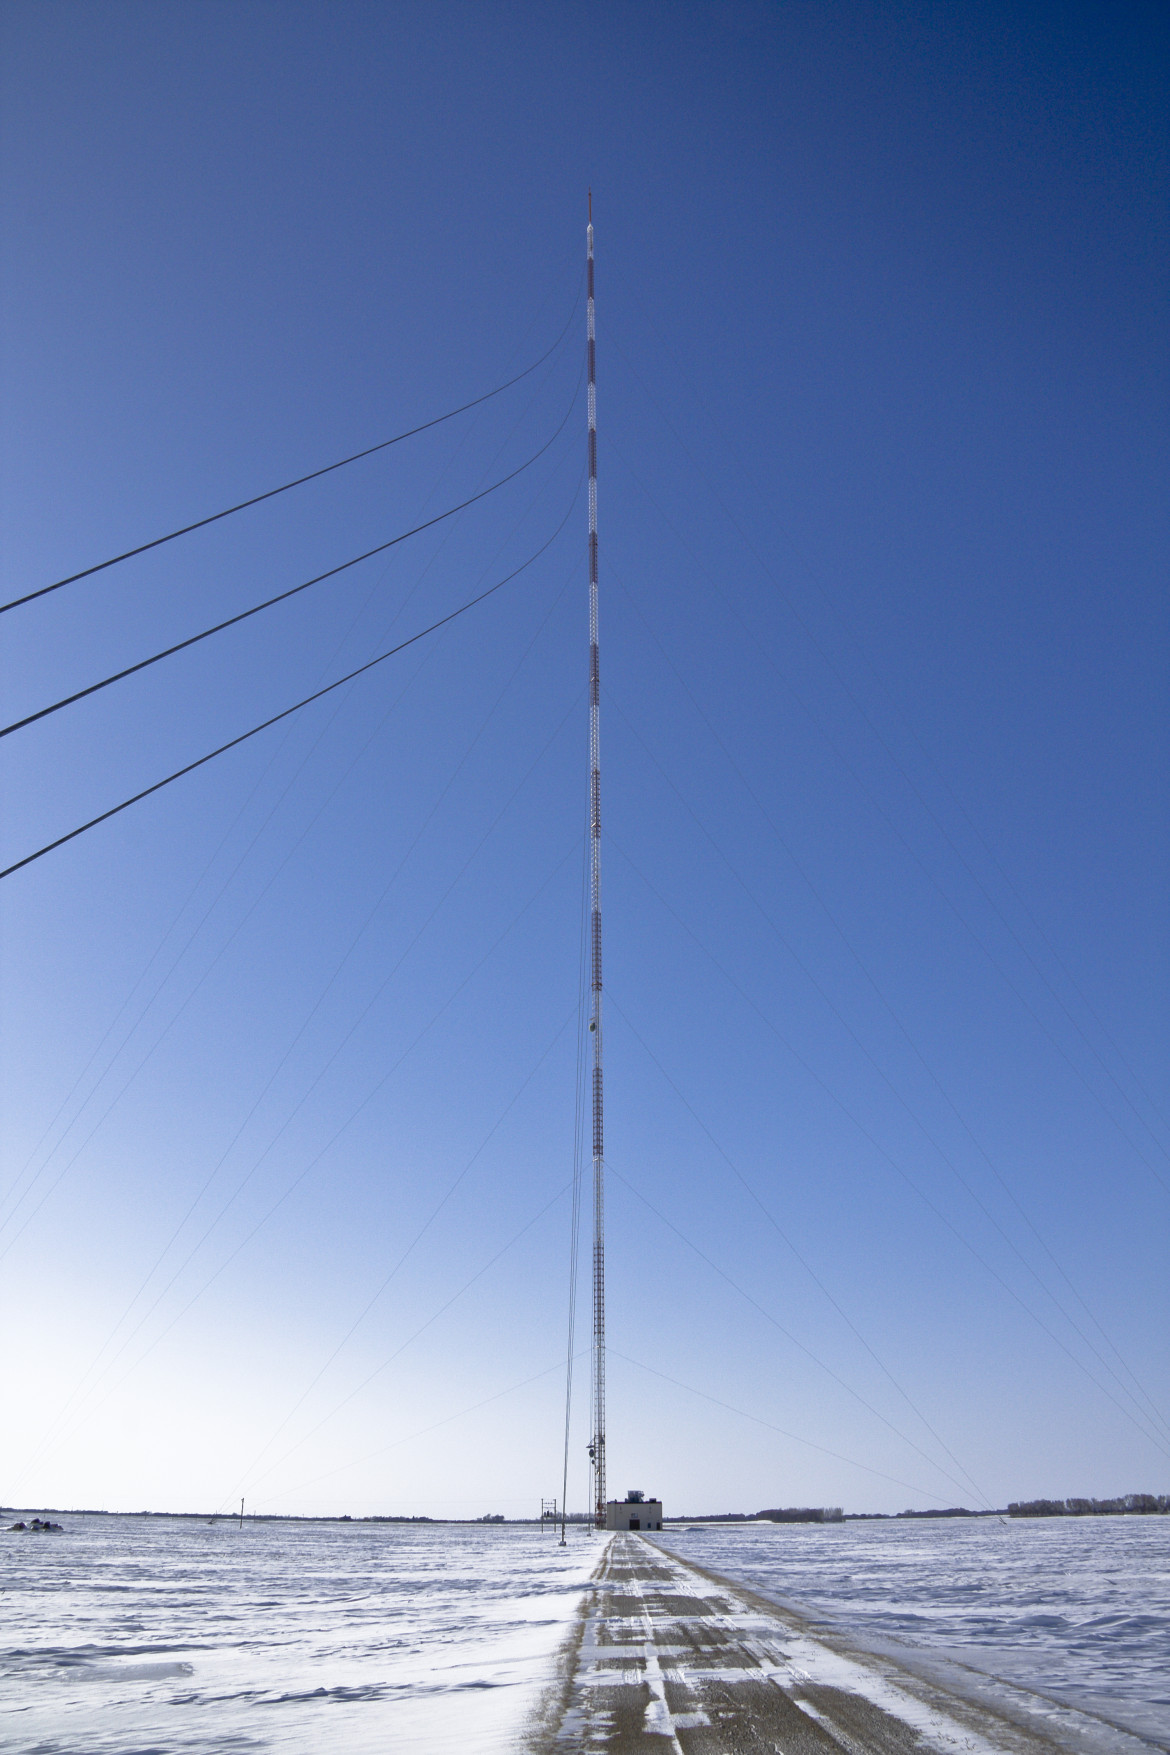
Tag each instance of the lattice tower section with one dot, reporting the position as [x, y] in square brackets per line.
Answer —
[597, 1446]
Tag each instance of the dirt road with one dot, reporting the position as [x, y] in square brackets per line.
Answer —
[670, 1658]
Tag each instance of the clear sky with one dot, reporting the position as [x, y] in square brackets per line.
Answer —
[289, 1049]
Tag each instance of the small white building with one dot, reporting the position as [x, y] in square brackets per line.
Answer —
[634, 1512]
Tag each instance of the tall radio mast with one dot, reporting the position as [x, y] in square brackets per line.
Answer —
[597, 1443]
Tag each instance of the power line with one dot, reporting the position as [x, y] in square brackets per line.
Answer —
[799, 1344]
[931, 814]
[421, 1433]
[885, 1078]
[894, 1164]
[277, 717]
[916, 1050]
[818, 579]
[352, 947]
[249, 1472]
[300, 481]
[409, 1341]
[776, 1225]
[54, 1439]
[283, 596]
[354, 941]
[327, 666]
[772, 1427]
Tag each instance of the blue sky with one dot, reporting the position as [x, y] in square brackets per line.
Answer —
[882, 393]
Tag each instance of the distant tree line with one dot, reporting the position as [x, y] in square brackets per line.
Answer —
[778, 1514]
[946, 1511]
[803, 1514]
[1134, 1503]
[1129, 1502]
[394, 1517]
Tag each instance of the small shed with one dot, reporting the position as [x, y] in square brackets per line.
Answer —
[634, 1512]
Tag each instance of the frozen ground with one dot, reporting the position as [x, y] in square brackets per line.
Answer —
[1076, 1608]
[164, 1636]
[172, 1635]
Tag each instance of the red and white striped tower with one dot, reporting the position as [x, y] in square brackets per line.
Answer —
[597, 1444]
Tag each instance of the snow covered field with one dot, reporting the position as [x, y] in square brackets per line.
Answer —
[136, 1634]
[129, 1635]
[1075, 1607]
